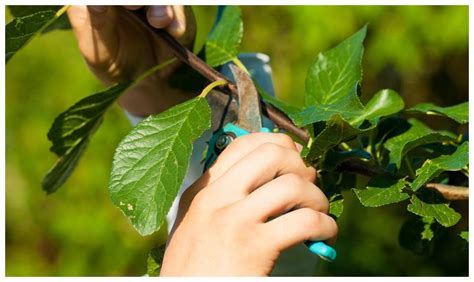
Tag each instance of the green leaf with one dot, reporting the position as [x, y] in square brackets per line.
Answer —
[418, 134]
[223, 41]
[337, 130]
[430, 203]
[155, 260]
[22, 29]
[150, 163]
[61, 23]
[382, 191]
[336, 206]
[71, 132]
[72, 129]
[434, 167]
[464, 235]
[335, 74]
[427, 232]
[384, 103]
[318, 113]
[459, 113]
[333, 158]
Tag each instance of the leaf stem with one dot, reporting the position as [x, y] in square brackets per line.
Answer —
[153, 70]
[211, 86]
[240, 65]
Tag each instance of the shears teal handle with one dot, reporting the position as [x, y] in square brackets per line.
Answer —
[219, 141]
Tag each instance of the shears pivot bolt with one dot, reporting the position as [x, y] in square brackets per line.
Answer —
[223, 141]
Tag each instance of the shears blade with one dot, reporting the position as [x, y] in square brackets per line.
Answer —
[250, 111]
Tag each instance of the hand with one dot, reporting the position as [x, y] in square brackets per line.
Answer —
[116, 47]
[257, 200]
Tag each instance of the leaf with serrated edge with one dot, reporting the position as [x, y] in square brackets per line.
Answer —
[150, 163]
[434, 167]
[445, 215]
[335, 74]
[418, 134]
[427, 232]
[382, 192]
[459, 113]
[21, 30]
[71, 132]
[464, 235]
[336, 207]
[223, 42]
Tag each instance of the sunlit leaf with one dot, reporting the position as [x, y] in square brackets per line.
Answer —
[150, 163]
[459, 113]
[381, 191]
[418, 134]
[336, 205]
[223, 42]
[434, 167]
[430, 204]
[384, 103]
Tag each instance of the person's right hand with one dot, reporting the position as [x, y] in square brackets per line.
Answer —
[117, 47]
[257, 200]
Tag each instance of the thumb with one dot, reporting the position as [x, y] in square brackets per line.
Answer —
[95, 32]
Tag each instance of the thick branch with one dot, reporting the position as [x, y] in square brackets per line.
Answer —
[450, 192]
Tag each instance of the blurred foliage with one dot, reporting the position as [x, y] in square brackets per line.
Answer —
[420, 51]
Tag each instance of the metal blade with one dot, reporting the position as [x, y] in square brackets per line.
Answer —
[250, 112]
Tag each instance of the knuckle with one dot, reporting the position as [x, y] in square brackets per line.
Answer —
[293, 183]
[311, 217]
[270, 150]
[284, 140]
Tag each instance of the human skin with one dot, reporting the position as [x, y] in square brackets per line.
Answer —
[116, 47]
[258, 199]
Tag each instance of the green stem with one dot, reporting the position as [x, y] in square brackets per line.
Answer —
[153, 70]
[211, 86]
[240, 64]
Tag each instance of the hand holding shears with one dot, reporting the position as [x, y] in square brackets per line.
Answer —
[250, 120]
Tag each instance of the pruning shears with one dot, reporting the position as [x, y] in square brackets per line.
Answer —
[249, 119]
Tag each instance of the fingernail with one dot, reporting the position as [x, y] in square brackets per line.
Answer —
[159, 11]
[299, 147]
[98, 9]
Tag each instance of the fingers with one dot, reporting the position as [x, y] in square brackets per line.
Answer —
[300, 225]
[160, 16]
[243, 145]
[94, 29]
[287, 192]
[177, 27]
[262, 165]
[238, 149]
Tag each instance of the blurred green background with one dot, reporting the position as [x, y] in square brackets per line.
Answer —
[420, 51]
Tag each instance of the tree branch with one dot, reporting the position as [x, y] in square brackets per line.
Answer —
[450, 192]
[276, 116]
[188, 57]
